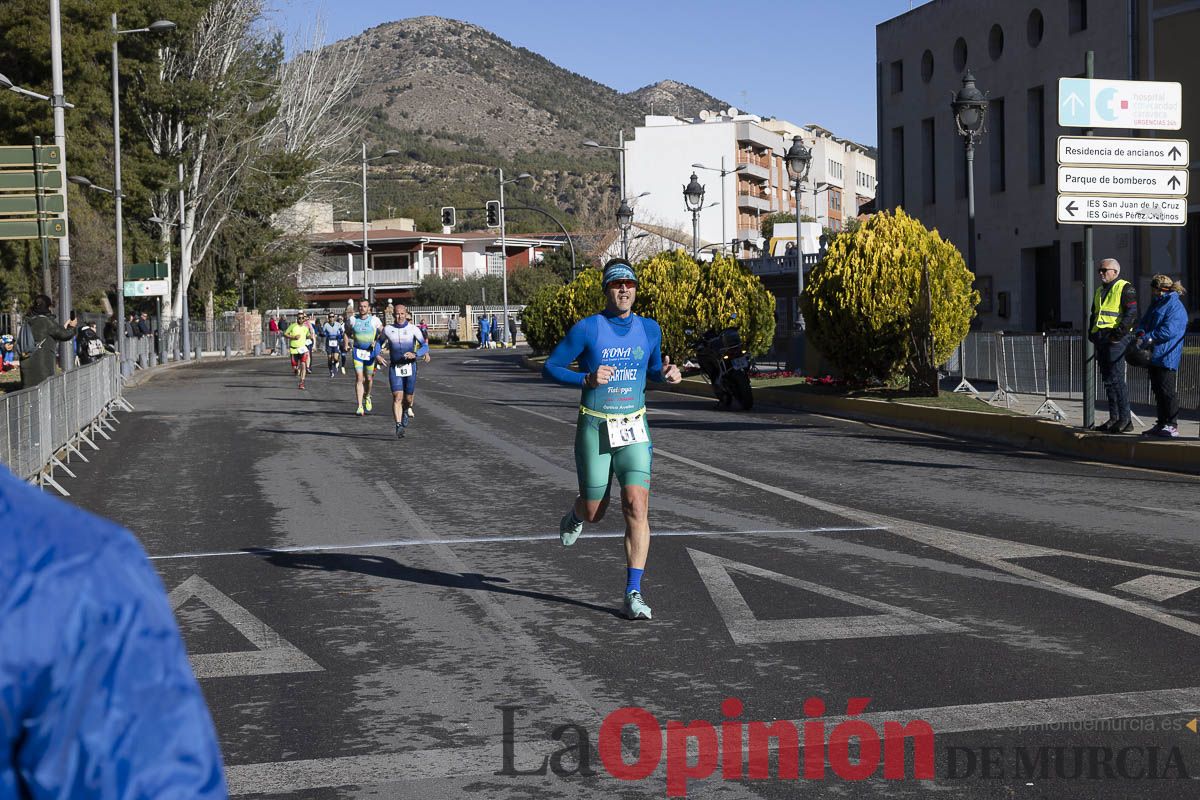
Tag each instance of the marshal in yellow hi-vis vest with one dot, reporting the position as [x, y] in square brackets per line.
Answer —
[1108, 309]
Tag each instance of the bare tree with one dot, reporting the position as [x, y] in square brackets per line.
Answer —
[242, 116]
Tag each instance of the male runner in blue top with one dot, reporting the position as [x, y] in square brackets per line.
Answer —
[333, 331]
[617, 351]
[406, 343]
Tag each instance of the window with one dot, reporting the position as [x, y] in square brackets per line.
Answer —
[1077, 262]
[927, 66]
[960, 54]
[1191, 265]
[897, 77]
[1035, 28]
[400, 261]
[1035, 134]
[896, 194]
[928, 163]
[995, 139]
[996, 42]
[1077, 15]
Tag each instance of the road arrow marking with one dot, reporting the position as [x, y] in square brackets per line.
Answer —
[745, 628]
[1071, 208]
[272, 654]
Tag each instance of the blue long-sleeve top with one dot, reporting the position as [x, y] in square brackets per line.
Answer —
[632, 346]
[1164, 324]
[97, 698]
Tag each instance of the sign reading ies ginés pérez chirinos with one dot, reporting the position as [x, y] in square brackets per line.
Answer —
[1114, 180]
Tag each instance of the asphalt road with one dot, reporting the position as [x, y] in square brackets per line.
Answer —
[358, 607]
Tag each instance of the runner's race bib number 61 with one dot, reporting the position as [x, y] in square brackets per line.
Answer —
[403, 370]
[624, 431]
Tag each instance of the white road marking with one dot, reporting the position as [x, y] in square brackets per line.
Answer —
[481, 540]
[272, 655]
[745, 628]
[281, 777]
[982, 549]
[354, 452]
[1158, 587]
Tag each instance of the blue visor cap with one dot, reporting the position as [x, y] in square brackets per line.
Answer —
[618, 272]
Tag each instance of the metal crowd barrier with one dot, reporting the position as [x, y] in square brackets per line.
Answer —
[48, 424]
[1050, 365]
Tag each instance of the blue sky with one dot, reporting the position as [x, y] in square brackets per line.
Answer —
[801, 60]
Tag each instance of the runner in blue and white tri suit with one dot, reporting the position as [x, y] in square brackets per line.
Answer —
[332, 332]
[362, 337]
[405, 344]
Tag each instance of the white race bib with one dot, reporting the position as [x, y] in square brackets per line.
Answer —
[362, 355]
[331, 343]
[624, 431]
[403, 370]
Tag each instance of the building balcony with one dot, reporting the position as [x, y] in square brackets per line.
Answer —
[754, 169]
[751, 133]
[754, 201]
[379, 278]
[778, 265]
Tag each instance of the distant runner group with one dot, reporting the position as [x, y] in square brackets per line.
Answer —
[364, 340]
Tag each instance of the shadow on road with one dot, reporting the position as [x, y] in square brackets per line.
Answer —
[389, 437]
[380, 567]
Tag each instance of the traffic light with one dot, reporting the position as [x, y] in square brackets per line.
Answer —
[493, 213]
[447, 216]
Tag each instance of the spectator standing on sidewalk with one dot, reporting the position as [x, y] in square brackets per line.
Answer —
[88, 345]
[512, 331]
[38, 364]
[276, 334]
[1161, 332]
[97, 698]
[1114, 314]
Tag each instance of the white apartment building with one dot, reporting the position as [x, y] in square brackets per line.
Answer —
[1029, 269]
[659, 158]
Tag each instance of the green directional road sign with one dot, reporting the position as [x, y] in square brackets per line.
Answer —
[22, 155]
[26, 205]
[28, 228]
[155, 270]
[23, 180]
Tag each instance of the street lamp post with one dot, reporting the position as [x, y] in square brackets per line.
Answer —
[624, 223]
[620, 160]
[159, 26]
[970, 112]
[504, 249]
[724, 199]
[365, 247]
[798, 159]
[693, 201]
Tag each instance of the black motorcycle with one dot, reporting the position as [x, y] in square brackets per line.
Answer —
[726, 364]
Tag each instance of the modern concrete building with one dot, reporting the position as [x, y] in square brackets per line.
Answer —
[1029, 268]
[660, 155]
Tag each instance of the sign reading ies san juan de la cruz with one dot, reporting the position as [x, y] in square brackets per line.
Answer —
[1121, 181]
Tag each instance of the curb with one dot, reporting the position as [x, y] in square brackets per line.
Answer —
[1025, 433]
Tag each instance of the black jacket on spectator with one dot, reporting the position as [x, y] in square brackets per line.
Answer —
[39, 365]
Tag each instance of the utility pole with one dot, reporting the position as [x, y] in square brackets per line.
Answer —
[66, 353]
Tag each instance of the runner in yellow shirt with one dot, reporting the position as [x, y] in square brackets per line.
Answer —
[297, 335]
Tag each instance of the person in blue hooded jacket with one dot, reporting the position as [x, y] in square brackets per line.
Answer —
[97, 698]
[1161, 332]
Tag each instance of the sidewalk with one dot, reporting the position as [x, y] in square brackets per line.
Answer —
[1022, 429]
[1072, 410]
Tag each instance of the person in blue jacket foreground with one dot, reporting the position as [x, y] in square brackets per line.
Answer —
[617, 351]
[97, 698]
[1161, 332]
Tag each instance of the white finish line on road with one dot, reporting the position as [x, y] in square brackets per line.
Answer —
[475, 540]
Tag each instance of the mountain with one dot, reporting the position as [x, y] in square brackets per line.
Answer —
[459, 101]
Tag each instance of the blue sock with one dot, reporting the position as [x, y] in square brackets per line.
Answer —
[633, 583]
